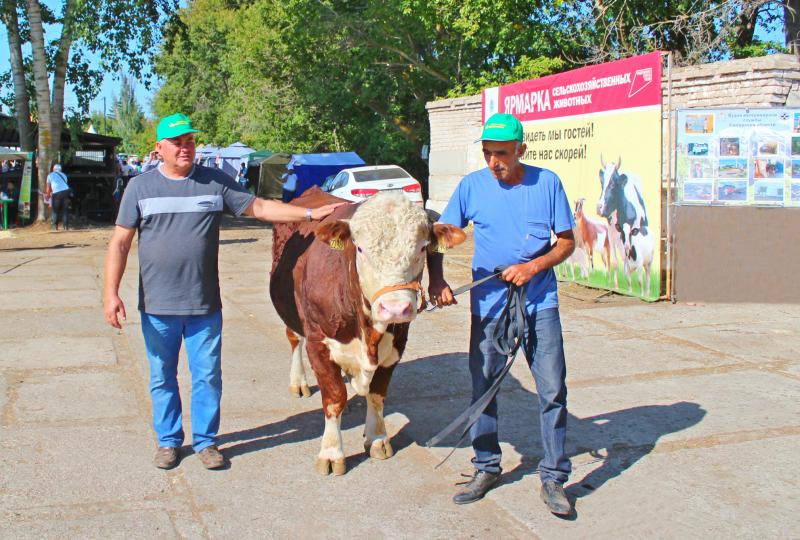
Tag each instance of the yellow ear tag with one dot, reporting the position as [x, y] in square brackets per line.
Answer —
[439, 248]
[336, 244]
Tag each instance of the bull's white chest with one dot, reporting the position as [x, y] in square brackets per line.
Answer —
[353, 358]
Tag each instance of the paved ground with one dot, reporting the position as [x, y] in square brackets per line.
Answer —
[684, 419]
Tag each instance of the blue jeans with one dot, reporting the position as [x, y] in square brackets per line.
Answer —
[202, 335]
[546, 350]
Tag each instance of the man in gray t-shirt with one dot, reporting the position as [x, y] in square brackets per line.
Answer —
[177, 209]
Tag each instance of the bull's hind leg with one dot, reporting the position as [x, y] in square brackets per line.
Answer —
[297, 374]
[376, 441]
[334, 399]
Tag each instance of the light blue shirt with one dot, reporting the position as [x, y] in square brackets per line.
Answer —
[57, 181]
[513, 225]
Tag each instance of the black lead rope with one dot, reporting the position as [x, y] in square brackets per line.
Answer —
[508, 336]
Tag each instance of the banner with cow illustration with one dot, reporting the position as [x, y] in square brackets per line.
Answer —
[738, 157]
[599, 129]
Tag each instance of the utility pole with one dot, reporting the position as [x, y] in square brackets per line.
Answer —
[105, 127]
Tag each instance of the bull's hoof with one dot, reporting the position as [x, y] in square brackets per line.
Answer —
[339, 467]
[324, 466]
[381, 449]
[302, 390]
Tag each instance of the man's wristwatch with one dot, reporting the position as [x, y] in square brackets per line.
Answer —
[308, 214]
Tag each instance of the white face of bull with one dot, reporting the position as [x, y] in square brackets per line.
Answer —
[391, 236]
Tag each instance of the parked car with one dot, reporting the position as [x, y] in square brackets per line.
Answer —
[359, 183]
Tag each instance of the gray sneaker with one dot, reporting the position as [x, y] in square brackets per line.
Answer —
[211, 458]
[555, 498]
[166, 457]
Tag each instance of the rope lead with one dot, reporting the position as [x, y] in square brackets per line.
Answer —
[508, 335]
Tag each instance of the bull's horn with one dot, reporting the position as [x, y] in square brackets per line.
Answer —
[619, 163]
[602, 161]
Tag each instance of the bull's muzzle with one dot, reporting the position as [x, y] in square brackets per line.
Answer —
[388, 310]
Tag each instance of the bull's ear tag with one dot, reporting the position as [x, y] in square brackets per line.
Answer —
[440, 247]
[336, 244]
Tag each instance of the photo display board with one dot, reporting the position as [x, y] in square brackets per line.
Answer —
[738, 157]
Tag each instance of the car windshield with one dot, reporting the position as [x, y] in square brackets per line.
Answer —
[380, 174]
[326, 185]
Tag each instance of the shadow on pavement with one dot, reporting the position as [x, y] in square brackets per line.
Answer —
[38, 248]
[433, 390]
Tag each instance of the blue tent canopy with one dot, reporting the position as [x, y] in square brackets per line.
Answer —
[205, 154]
[313, 169]
[230, 159]
[235, 151]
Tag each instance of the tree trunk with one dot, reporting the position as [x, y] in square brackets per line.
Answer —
[22, 109]
[747, 27]
[46, 156]
[791, 25]
[60, 75]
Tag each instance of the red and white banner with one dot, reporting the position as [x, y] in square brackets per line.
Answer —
[624, 84]
[599, 129]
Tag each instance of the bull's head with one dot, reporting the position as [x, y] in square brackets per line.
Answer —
[391, 238]
[609, 175]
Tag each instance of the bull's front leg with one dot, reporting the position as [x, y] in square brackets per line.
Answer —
[376, 441]
[334, 399]
[298, 385]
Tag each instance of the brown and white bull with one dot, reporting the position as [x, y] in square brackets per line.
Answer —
[349, 287]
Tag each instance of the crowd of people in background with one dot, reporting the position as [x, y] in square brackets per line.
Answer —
[58, 193]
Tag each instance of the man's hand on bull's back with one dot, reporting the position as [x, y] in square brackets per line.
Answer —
[324, 211]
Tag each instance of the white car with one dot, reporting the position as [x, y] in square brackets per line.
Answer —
[359, 183]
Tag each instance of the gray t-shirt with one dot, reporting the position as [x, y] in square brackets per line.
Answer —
[178, 223]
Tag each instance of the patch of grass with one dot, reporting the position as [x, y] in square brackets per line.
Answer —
[599, 278]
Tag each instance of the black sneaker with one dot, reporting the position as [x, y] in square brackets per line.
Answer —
[555, 498]
[474, 490]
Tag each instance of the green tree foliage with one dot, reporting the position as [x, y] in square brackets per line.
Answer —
[327, 75]
[693, 31]
[127, 119]
[120, 32]
[307, 75]
[102, 124]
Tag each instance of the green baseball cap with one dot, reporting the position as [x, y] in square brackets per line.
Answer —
[174, 125]
[502, 127]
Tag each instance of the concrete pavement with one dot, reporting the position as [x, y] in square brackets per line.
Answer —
[683, 419]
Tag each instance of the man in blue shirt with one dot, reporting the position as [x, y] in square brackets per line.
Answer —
[514, 208]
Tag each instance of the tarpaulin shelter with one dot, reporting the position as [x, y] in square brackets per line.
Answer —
[230, 159]
[313, 169]
[205, 155]
[271, 169]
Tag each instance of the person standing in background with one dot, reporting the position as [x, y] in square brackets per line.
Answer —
[289, 183]
[57, 191]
